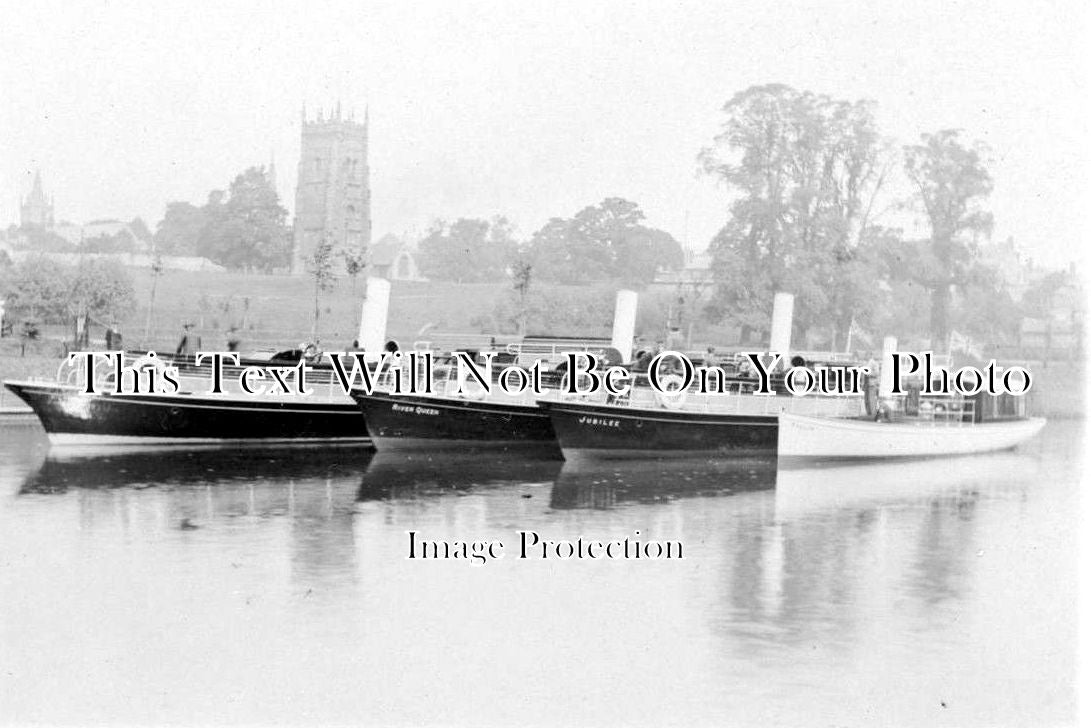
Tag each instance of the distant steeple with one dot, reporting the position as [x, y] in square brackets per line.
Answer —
[36, 210]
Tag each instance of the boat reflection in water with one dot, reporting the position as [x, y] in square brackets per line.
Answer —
[409, 475]
[835, 486]
[606, 483]
[585, 484]
[104, 468]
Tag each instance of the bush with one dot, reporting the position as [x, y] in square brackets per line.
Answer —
[43, 290]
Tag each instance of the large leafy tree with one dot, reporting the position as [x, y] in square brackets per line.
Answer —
[468, 250]
[952, 185]
[180, 229]
[607, 241]
[803, 171]
[249, 232]
[242, 229]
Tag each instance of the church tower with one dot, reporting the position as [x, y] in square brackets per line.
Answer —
[36, 210]
[333, 189]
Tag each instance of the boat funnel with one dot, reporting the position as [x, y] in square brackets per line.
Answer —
[780, 332]
[886, 367]
[373, 315]
[624, 324]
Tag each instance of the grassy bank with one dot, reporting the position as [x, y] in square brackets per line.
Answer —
[279, 310]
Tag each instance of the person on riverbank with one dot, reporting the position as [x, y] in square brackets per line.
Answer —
[113, 338]
[190, 343]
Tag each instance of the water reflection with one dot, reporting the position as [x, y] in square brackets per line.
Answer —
[394, 476]
[605, 484]
[872, 484]
[217, 492]
[62, 470]
[814, 569]
[913, 582]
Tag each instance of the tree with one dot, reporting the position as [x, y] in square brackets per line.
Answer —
[140, 230]
[521, 276]
[120, 242]
[180, 229]
[984, 307]
[467, 250]
[38, 290]
[321, 270]
[156, 271]
[803, 171]
[102, 288]
[248, 232]
[952, 185]
[41, 240]
[46, 291]
[603, 242]
[355, 263]
[242, 229]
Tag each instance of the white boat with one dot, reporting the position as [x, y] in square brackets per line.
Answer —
[811, 438]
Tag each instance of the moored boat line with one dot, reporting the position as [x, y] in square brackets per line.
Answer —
[752, 407]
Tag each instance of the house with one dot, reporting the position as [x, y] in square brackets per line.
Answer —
[394, 259]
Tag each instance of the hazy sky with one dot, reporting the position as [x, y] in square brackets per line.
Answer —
[530, 110]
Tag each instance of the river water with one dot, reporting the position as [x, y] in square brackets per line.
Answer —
[274, 587]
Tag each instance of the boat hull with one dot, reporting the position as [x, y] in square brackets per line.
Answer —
[71, 417]
[592, 431]
[816, 438]
[410, 422]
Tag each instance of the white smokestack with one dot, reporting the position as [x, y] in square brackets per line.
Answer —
[373, 314]
[624, 324]
[886, 366]
[780, 333]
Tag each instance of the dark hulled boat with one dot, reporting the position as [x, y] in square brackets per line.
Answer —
[71, 417]
[415, 422]
[589, 430]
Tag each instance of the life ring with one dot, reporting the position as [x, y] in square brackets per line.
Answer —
[150, 360]
[674, 394]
